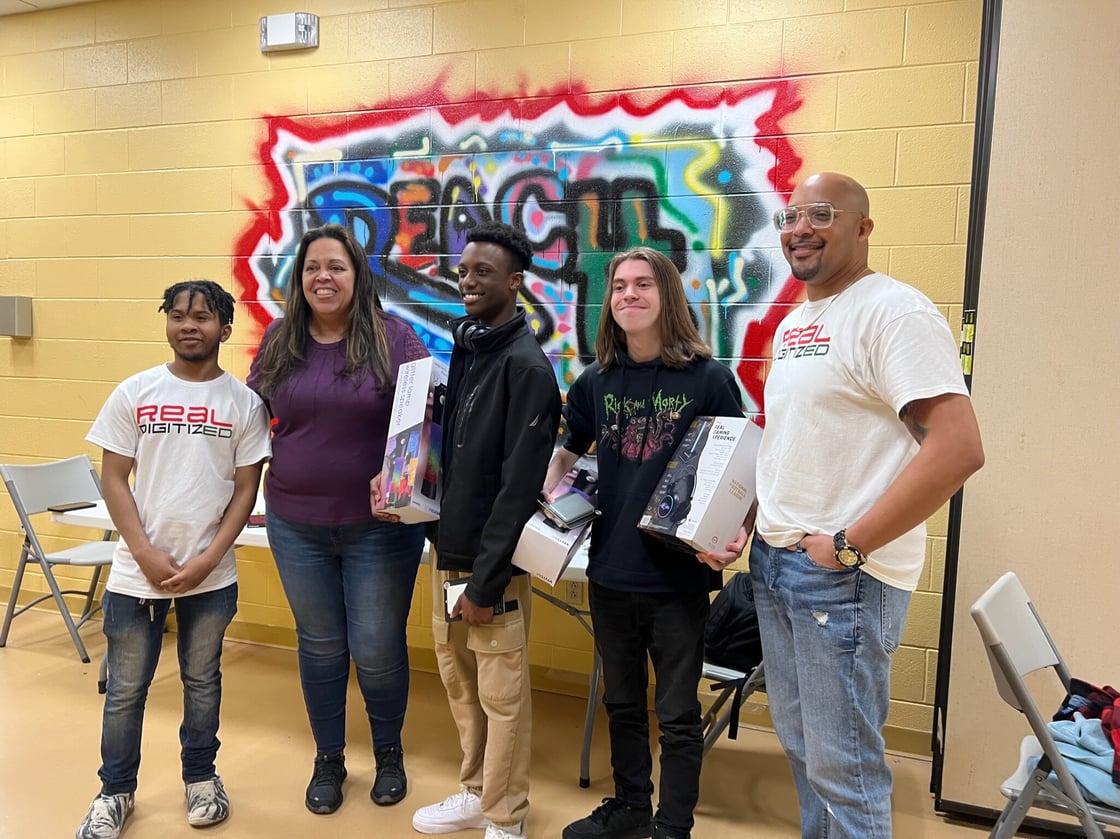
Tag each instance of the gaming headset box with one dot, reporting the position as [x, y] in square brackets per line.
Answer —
[708, 486]
[546, 547]
[410, 473]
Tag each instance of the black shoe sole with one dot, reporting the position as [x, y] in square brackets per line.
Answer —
[321, 809]
[634, 833]
[389, 799]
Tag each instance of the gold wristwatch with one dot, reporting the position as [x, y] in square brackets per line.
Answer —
[847, 554]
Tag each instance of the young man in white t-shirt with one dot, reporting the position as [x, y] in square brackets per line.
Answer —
[869, 430]
[197, 440]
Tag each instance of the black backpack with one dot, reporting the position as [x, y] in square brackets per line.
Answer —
[731, 636]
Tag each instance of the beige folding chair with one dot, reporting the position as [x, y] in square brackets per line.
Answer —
[1018, 644]
[34, 490]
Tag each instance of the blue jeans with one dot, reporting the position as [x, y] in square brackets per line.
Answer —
[350, 589]
[134, 629]
[827, 640]
[669, 629]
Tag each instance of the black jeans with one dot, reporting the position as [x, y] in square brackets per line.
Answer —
[670, 629]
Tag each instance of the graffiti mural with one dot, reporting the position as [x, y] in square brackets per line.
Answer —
[696, 173]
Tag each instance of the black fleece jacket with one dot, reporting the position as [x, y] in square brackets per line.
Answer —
[499, 430]
[638, 413]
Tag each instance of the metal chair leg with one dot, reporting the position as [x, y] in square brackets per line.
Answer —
[593, 702]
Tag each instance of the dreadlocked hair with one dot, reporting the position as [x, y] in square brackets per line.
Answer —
[218, 300]
[367, 347]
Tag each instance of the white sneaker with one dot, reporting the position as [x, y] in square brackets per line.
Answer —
[106, 817]
[495, 832]
[461, 811]
[207, 802]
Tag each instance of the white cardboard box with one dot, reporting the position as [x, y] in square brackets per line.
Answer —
[708, 487]
[545, 551]
[410, 472]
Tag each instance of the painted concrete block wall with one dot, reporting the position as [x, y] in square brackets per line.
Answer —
[147, 141]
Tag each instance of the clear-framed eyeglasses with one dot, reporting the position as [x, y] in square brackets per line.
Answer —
[819, 215]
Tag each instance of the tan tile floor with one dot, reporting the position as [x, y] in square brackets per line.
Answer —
[50, 716]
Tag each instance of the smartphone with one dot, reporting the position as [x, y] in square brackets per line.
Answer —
[256, 520]
[69, 508]
[452, 589]
[569, 510]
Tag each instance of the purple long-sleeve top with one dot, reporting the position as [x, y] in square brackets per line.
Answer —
[329, 436]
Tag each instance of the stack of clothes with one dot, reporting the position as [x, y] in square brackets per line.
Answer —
[1086, 730]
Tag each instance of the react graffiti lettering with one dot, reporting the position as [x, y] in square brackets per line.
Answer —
[696, 173]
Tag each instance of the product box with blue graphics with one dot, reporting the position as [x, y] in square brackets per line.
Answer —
[708, 487]
[410, 473]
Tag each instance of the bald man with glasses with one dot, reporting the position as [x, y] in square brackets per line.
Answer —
[869, 431]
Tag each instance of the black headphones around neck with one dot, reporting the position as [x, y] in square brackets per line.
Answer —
[468, 332]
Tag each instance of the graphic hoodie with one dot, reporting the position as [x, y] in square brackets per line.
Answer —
[637, 413]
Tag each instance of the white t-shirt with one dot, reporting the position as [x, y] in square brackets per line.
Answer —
[842, 370]
[187, 438]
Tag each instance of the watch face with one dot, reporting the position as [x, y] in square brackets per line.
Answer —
[849, 558]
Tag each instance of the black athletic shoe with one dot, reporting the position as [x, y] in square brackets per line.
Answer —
[613, 819]
[324, 793]
[391, 784]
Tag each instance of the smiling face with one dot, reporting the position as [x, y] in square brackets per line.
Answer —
[636, 300]
[194, 330]
[828, 259]
[328, 281]
[488, 282]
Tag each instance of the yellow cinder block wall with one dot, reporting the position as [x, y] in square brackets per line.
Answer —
[130, 158]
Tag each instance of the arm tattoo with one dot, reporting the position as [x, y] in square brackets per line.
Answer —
[909, 417]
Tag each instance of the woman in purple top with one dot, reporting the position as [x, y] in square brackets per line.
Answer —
[327, 371]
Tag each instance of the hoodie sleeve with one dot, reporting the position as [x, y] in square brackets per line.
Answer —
[531, 423]
[579, 414]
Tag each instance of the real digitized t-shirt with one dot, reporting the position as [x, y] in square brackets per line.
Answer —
[186, 438]
[843, 368]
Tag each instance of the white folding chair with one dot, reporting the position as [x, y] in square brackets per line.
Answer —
[1018, 644]
[34, 490]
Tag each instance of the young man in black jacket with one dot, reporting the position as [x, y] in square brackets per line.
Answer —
[500, 422]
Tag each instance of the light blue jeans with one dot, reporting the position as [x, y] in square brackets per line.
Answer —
[134, 629]
[827, 639]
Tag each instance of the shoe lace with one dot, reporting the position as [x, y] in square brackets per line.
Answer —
[457, 801]
[605, 813]
[203, 795]
[329, 769]
[105, 811]
[390, 761]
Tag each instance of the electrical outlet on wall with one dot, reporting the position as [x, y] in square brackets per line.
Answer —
[573, 593]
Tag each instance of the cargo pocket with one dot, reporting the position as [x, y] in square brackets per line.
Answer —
[500, 648]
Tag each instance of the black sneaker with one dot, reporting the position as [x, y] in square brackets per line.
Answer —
[614, 819]
[390, 785]
[660, 832]
[324, 793]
